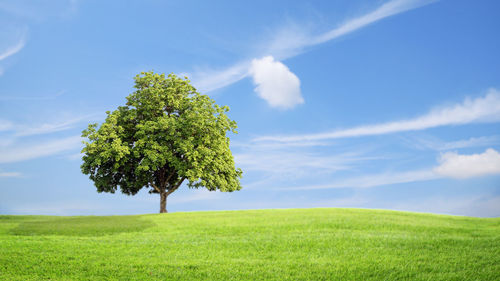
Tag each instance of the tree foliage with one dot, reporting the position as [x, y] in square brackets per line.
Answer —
[166, 133]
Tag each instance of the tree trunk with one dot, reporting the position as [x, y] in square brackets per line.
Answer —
[163, 202]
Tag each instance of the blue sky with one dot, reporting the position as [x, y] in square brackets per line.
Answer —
[370, 104]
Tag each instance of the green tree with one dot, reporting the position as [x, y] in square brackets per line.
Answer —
[165, 134]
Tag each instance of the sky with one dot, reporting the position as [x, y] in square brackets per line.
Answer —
[389, 104]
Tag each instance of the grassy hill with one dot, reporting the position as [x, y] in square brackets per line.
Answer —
[297, 244]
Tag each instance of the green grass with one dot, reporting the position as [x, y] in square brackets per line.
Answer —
[298, 244]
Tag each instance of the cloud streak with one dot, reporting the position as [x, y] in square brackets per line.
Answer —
[374, 180]
[451, 165]
[28, 152]
[439, 145]
[9, 174]
[19, 130]
[297, 161]
[48, 128]
[291, 43]
[388, 9]
[13, 151]
[14, 49]
[478, 110]
[5, 125]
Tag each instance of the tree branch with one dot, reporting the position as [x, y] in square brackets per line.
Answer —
[176, 186]
[153, 185]
[170, 176]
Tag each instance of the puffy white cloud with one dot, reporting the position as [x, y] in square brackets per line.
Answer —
[482, 109]
[459, 166]
[275, 83]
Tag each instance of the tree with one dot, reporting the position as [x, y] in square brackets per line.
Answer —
[165, 134]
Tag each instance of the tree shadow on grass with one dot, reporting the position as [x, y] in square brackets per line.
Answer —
[81, 226]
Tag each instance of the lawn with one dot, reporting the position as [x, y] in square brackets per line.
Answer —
[293, 244]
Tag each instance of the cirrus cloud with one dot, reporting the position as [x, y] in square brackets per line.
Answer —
[483, 109]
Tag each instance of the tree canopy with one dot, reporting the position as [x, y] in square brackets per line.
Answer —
[165, 134]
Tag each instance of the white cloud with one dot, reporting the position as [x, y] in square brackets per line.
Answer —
[273, 163]
[207, 81]
[14, 49]
[9, 174]
[452, 165]
[275, 83]
[11, 150]
[458, 166]
[52, 127]
[386, 10]
[373, 180]
[439, 145]
[481, 109]
[45, 128]
[292, 41]
[27, 152]
[294, 163]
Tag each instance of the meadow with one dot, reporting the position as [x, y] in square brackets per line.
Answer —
[291, 244]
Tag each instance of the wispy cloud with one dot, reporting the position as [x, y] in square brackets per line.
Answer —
[47, 128]
[297, 161]
[293, 164]
[373, 180]
[21, 142]
[210, 80]
[10, 174]
[26, 152]
[294, 39]
[462, 166]
[386, 10]
[22, 130]
[5, 125]
[291, 42]
[451, 165]
[14, 49]
[432, 143]
[481, 109]
[275, 83]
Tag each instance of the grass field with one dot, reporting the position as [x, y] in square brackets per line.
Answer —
[295, 244]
